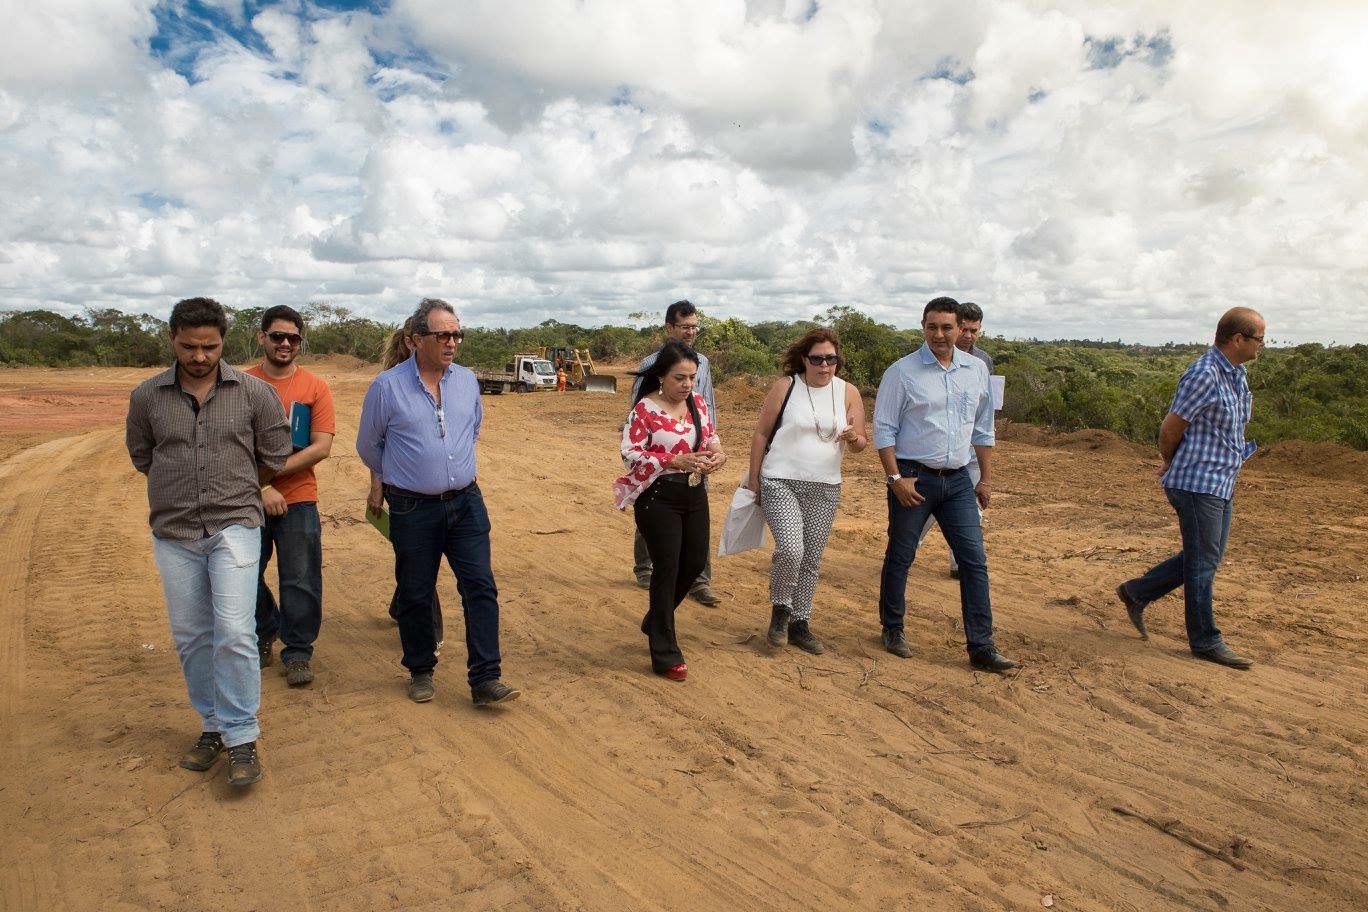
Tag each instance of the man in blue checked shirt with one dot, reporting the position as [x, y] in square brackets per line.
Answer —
[419, 423]
[933, 413]
[1202, 445]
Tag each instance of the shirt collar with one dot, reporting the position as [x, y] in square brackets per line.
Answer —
[957, 358]
[1224, 363]
[226, 374]
[411, 365]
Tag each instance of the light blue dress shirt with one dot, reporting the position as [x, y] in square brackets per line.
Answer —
[932, 414]
[410, 443]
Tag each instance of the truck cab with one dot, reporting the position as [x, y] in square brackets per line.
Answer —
[533, 372]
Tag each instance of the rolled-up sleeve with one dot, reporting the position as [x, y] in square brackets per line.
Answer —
[888, 407]
[983, 418]
[271, 428]
[370, 434]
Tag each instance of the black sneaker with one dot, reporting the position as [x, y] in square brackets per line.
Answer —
[896, 643]
[244, 766]
[298, 673]
[420, 688]
[778, 634]
[264, 645]
[491, 692]
[799, 635]
[1134, 610]
[206, 750]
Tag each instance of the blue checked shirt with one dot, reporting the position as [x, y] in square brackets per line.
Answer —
[1213, 398]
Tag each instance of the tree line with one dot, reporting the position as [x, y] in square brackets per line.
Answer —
[1307, 392]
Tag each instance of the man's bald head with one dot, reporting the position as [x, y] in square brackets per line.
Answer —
[1244, 321]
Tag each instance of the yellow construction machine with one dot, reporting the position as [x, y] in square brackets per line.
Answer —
[579, 369]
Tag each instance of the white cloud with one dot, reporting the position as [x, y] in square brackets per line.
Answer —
[1078, 170]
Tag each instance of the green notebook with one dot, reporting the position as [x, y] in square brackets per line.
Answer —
[379, 520]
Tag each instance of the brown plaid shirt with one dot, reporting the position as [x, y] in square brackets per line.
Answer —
[201, 463]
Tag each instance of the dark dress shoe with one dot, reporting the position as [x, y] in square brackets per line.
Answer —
[705, 597]
[1134, 610]
[992, 660]
[896, 643]
[778, 628]
[1223, 655]
[491, 692]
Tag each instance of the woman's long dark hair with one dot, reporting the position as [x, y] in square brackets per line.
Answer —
[670, 354]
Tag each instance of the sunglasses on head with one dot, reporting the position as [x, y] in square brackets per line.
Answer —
[445, 337]
[278, 337]
[819, 360]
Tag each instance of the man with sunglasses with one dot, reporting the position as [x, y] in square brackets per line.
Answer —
[1202, 446]
[419, 424]
[292, 530]
[681, 325]
[934, 411]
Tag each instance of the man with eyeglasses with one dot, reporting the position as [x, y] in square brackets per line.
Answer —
[292, 530]
[419, 424]
[1202, 446]
[934, 411]
[681, 325]
[971, 324]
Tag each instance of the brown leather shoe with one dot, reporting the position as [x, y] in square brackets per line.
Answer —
[896, 643]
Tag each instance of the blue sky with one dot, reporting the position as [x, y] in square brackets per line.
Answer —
[1079, 172]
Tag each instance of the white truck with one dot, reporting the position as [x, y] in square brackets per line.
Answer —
[523, 374]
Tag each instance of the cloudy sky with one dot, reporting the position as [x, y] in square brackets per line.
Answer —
[1080, 170]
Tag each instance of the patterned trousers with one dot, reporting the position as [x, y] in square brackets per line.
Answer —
[799, 514]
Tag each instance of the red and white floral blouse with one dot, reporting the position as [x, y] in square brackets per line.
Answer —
[650, 442]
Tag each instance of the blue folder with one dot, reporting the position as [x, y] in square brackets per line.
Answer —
[301, 424]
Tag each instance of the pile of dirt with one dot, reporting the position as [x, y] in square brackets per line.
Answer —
[1099, 441]
[1330, 461]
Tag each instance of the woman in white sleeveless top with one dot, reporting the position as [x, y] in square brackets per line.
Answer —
[795, 471]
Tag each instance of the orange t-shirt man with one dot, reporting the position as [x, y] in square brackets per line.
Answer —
[307, 389]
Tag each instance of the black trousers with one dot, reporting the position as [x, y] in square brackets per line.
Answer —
[673, 519]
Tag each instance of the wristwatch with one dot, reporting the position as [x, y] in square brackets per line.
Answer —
[894, 478]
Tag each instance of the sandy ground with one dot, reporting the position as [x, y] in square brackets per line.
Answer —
[770, 780]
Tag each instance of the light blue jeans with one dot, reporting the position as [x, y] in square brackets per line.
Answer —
[211, 589]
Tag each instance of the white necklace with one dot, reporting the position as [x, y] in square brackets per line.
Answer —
[835, 421]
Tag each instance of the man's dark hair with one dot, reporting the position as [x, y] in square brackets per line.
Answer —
[679, 309]
[418, 323]
[282, 312]
[191, 313]
[970, 311]
[943, 305]
[1236, 320]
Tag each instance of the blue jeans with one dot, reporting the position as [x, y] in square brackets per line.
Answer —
[210, 588]
[950, 499]
[422, 531]
[297, 540]
[1204, 521]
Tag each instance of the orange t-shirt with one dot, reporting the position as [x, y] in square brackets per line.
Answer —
[306, 389]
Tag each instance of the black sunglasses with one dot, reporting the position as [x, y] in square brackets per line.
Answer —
[445, 337]
[819, 360]
[278, 337]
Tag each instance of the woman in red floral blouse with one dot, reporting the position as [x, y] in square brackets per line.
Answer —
[670, 447]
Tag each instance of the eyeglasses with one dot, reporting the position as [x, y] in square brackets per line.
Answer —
[688, 327]
[292, 338]
[1248, 336]
[819, 360]
[441, 422]
[445, 337]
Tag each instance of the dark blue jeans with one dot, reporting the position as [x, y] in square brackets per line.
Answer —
[1204, 521]
[422, 531]
[950, 499]
[297, 541]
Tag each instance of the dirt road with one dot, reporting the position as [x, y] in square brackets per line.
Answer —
[767, 781]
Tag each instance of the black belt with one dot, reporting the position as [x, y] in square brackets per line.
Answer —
[445, 495]
[674, 477]
[922, 467]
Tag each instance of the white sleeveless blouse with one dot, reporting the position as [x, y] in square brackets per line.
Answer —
[797, 453]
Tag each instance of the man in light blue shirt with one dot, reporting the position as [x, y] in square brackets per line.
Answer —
[933, 413]
[419, 423]
[681, 325]
[1202, 444]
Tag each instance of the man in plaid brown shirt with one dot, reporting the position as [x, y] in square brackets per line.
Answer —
[207, 437]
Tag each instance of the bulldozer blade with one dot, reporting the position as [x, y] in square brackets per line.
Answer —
[600, 383]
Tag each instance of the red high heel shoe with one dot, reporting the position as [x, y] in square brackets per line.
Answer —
[677, 673]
